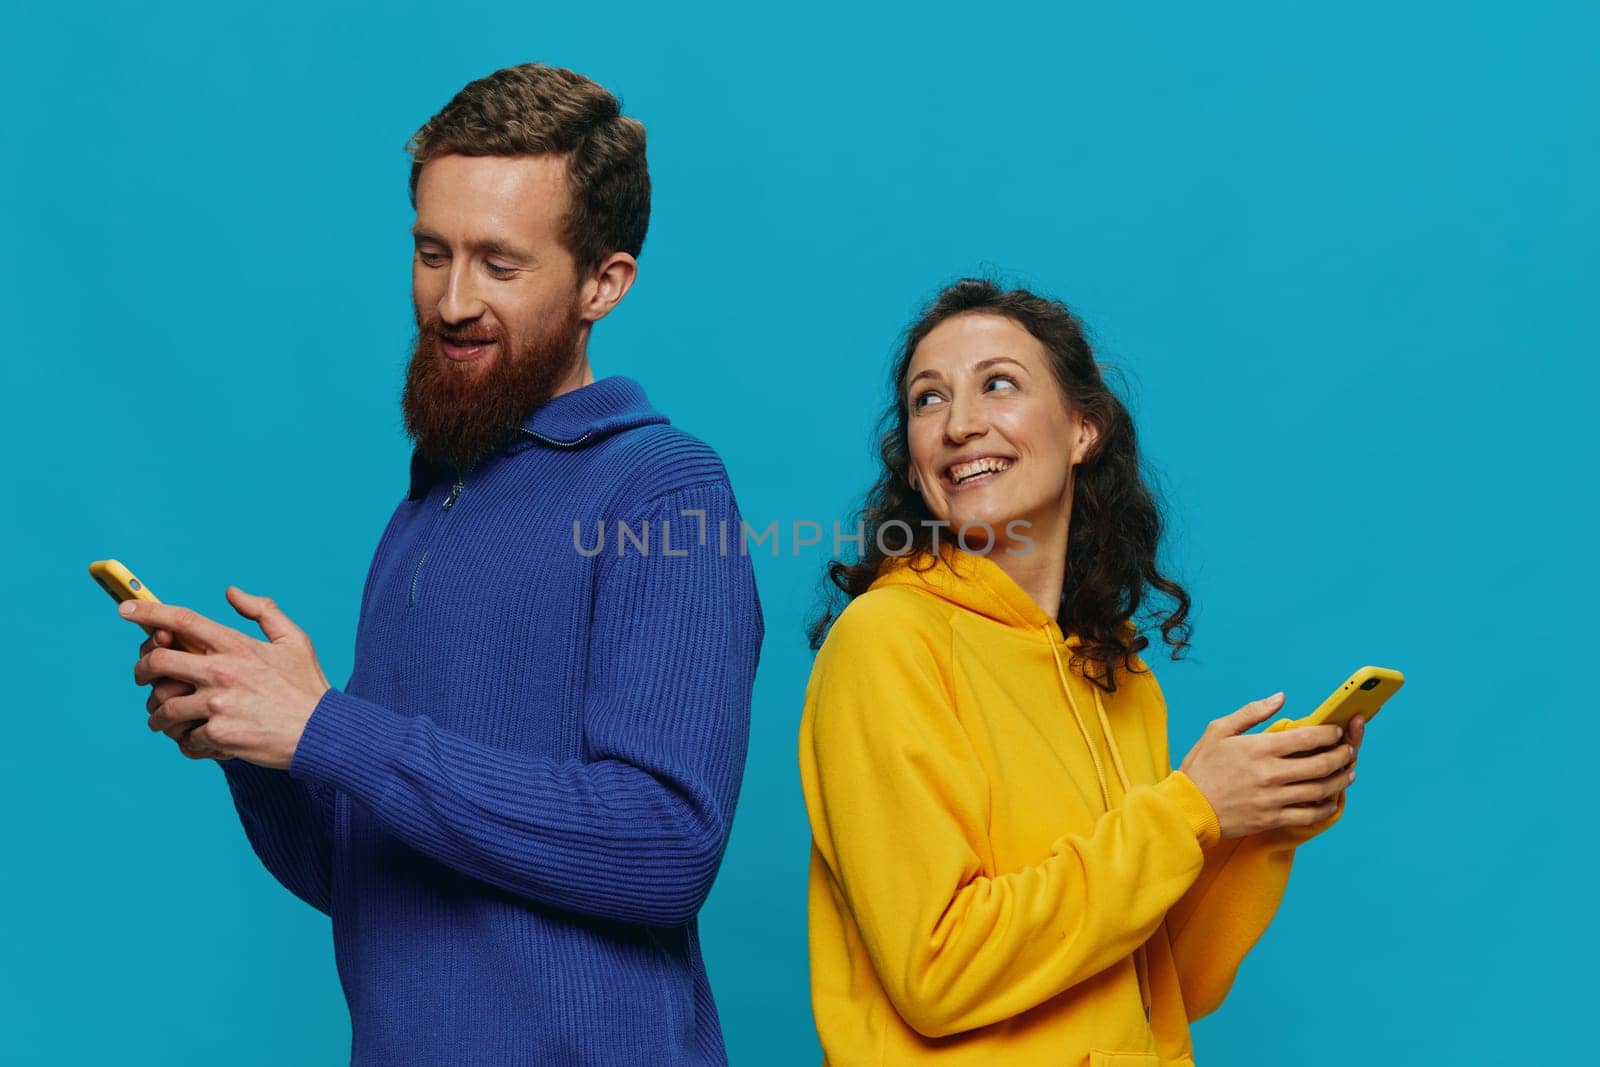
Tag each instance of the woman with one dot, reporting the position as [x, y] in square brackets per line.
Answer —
[1005, 868]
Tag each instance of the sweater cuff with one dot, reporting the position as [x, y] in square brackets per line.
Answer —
[351, 744]
[1180, 788]
[248, 780]
[261, 790]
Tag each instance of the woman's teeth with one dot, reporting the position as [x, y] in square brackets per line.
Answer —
[989, 464]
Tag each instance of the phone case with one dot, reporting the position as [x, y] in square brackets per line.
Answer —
[121, 584]
[1363, 694]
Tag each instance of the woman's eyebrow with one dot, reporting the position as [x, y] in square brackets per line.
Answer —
[984, 364]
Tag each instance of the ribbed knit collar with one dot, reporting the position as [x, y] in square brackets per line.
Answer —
[574, 419]
[587, 414]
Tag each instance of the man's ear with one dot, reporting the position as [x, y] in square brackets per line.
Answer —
[606, 285]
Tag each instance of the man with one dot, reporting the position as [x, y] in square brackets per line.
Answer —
[516, 807]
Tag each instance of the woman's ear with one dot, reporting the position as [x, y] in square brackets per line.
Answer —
[1086, 438]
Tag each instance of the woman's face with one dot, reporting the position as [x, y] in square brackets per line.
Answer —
[991, 436]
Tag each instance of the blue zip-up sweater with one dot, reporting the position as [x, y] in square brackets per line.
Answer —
[517, 805]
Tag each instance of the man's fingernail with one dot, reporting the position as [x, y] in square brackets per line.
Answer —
[126, 608]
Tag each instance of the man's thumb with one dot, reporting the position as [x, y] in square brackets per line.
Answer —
[266, 614]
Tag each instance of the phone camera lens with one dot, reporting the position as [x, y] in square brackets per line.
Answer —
[133, 583]
[1371, 683]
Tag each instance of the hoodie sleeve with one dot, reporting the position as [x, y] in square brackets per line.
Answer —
[898, 804]
[1230, 905]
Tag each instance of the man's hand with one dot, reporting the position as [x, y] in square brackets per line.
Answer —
[163, 690]
[252, 698]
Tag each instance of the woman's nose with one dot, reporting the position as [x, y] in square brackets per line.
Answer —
[964, 421]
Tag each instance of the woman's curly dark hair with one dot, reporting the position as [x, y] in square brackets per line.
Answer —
[1116, 524]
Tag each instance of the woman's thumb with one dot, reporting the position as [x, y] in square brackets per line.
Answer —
[1257, 711]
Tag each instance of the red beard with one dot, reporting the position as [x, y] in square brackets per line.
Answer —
[459, 413]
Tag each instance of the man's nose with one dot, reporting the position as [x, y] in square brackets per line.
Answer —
[460, 301]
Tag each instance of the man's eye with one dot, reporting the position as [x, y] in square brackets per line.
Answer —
[432, 259]
[500, 272]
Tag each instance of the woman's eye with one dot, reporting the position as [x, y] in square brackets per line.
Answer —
[1010, 382]
[922, 400]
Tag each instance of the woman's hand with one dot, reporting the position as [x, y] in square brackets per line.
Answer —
[1258, 782]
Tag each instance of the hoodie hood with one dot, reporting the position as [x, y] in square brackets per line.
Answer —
[978, 584]
[975, 583]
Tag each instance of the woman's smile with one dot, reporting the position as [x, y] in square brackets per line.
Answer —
[974, 471]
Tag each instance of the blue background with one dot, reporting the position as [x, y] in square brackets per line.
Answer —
[1346, 259]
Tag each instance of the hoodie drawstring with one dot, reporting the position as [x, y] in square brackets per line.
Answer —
[1141, 965]
[1094, 751]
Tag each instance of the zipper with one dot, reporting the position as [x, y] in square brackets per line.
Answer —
[449, 502]
[555, 443]
[411, 601]
[455, 494]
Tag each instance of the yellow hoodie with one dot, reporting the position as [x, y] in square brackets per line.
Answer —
[1005, 868]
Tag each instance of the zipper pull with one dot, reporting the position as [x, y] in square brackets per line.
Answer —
[455, 491]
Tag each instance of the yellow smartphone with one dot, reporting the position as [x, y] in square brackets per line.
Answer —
[120, 582]
[1363, 695]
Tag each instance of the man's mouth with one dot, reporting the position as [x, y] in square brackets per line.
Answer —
[466, 349]
[977, 471]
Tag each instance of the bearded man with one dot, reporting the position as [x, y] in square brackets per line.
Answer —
[515, 808]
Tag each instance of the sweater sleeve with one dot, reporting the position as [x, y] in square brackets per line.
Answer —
[289, 825]
[899, 810]
[1220, 919]
[634, 830]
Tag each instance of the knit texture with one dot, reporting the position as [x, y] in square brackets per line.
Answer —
[516, 807]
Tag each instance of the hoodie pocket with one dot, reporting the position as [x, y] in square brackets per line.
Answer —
[1097, 1058]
